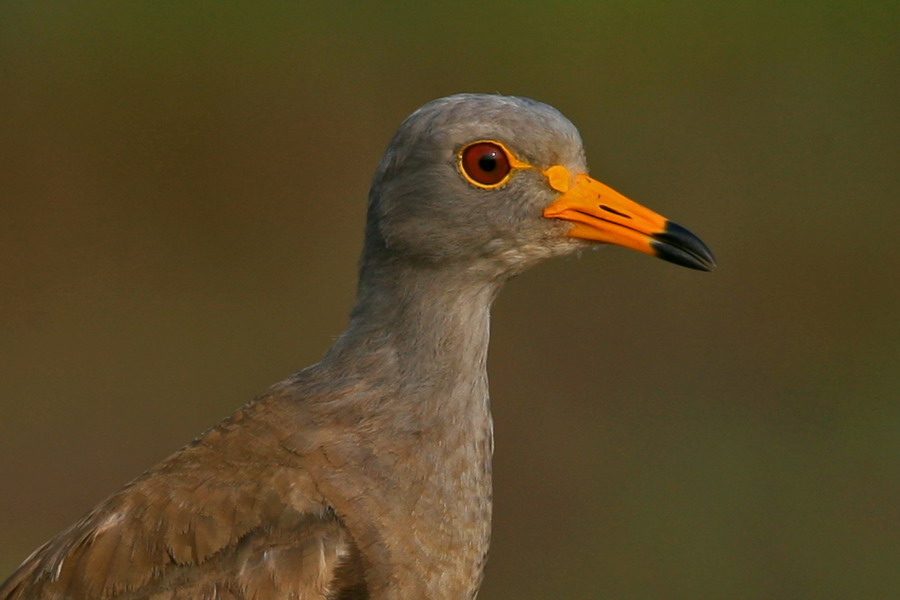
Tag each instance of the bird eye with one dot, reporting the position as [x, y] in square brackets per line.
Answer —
[485, 164]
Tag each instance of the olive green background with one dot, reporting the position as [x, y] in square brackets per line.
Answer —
[182, 194]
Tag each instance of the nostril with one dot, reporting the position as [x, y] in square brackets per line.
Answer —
[614, 211]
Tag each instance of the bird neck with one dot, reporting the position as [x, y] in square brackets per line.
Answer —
[412, 369]
[428, 322]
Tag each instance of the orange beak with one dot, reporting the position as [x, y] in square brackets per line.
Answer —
[604, 215]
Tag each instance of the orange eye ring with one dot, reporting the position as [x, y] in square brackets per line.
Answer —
[487, 164]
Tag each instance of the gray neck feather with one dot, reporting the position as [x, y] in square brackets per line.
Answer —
[428, 324]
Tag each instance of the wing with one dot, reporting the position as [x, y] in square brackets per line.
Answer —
[228, 517]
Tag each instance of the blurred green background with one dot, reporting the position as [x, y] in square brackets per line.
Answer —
[182, 193]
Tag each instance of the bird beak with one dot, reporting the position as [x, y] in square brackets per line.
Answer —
[602, 214]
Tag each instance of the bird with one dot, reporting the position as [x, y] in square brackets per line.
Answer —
[368, 474]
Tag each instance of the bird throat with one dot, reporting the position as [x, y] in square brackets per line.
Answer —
[432, 325]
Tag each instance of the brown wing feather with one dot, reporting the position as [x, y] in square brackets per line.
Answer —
[226, 517]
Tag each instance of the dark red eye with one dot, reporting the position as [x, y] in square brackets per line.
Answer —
[485, 163]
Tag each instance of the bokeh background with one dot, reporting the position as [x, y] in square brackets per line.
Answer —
[182, 192]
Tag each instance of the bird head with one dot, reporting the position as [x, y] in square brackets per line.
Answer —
[502, 181]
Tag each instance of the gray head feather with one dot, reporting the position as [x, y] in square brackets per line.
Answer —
[422, 210]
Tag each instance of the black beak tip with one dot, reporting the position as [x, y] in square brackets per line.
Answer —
[678, 245]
